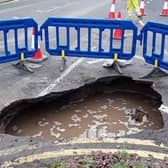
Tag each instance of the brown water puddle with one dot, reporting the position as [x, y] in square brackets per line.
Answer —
[102, 115]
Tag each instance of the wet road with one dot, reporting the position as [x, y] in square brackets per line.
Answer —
[97, 116]
[40, 10]
[17, 85]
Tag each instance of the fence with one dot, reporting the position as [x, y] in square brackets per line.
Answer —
[93, 38]
[97, 36]
[154, 39]
[15, 38]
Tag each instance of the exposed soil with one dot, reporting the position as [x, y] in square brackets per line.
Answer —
[105, 160]
[101, 92]
[100, 110]
[101, 115]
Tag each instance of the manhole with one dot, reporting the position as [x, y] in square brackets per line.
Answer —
[105, 108]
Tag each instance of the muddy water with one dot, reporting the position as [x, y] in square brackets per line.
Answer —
[103, 115]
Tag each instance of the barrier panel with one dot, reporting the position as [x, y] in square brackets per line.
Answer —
[154, 39]
[15, 38]
[93, 38]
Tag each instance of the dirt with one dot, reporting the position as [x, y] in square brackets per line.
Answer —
[100, 115]
[102, 97]
[105, 160]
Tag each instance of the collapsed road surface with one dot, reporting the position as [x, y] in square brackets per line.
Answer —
[19, 90]
[105, 108]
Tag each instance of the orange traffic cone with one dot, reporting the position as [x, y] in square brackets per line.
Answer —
[38, 57]
[142, 7]
[164, 11]
[118, 32]
[112, 10]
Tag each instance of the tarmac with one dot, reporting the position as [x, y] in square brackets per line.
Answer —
[19, 89]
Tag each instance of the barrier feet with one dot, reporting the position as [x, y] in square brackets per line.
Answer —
[63, 61]
[113, 65]
[116, 67]
[155, 73]
[21, 65]
[63, 64]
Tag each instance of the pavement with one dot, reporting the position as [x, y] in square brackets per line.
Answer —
[48, 154]
[24, 89]
[19, 88]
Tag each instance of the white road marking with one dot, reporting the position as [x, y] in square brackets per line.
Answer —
[21, 8]
[59, 79]
[55, 8]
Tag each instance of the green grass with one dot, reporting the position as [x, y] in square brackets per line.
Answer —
[89, 162]
[124, 155]
[141, 166]
[57, 165]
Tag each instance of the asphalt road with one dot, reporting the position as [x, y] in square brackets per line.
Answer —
[16, 85]
[40, 10]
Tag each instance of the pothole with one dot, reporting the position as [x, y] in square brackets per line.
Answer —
[105, 108]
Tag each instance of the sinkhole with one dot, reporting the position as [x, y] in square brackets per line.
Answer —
[108, 107]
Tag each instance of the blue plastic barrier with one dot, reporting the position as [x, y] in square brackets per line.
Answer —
[60, 33]
[15, 38]
[154, 39]
[93, 38]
